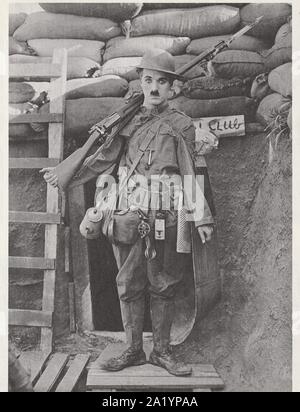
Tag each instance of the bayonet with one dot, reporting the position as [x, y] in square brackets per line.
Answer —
[244, 30]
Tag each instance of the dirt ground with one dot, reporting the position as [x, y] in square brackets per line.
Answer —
[249, 335]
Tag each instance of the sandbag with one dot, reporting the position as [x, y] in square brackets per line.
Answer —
[245, 42]
[22, 92]
[229, 106]
[15, 21]
[270, 107]
[82, 114]
[194, 23]
[91, 49]
[283, 31]
[16, 109]
[43, 25]
[123, 66]
[159, 6]
[134, 86]
[260, 87]
[105, 86]
[237, 63]
[78, 67]
[22, 130]
[114, 11]
[136, 47]
[206, 88]
[275, 15]
[18, 130]
[279, 54]
[150, 7]
[17, 47]
[280, 80]
[194, 72]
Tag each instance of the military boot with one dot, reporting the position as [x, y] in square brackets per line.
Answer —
[162, 317]
[133, 322]
[130, 357]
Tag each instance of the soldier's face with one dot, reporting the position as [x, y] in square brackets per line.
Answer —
[156, 87]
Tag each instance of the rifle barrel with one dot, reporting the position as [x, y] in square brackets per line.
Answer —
[220, 46]
[182, 70]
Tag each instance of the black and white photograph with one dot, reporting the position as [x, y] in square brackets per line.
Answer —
[150, 199]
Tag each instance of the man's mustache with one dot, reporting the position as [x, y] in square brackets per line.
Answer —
[154, 94]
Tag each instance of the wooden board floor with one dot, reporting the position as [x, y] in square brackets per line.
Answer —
[204, 377]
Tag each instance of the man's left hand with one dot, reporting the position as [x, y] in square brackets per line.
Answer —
[205, 233]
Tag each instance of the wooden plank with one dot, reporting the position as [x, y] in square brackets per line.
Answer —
[29, 139]
[34, 217]
[17, 262]
[34, 362]
[73, 374]
[57, 104]
[32, 162]
[52, 373]
[18, 317]
[71, 283]
[63, 204]
[151, 371]
[80, 260]
[72, 307]
[37, 118]
[67, 249]
[55, 150]
[47, 333]
[165, 382]
[34, 70]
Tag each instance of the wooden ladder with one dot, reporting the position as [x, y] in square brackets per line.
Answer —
[52, 218]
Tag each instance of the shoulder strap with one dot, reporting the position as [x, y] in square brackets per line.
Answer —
[144, 146]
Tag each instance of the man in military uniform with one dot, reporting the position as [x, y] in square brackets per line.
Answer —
[170, 154]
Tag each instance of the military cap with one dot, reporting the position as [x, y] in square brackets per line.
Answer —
[160, 60]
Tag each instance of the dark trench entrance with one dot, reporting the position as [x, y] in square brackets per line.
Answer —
[103, 272]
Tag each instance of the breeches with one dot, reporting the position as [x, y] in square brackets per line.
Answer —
[161, 276]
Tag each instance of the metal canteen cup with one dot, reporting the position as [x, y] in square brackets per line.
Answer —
[90, 227]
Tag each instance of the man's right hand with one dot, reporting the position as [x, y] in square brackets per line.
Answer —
[49, 176]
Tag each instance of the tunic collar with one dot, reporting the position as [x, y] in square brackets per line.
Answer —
[155, 110]
[142, 117]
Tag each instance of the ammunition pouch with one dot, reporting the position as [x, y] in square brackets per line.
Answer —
[122, 227]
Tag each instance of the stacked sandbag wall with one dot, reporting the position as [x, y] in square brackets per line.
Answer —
[110, 40]
[275, 109]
